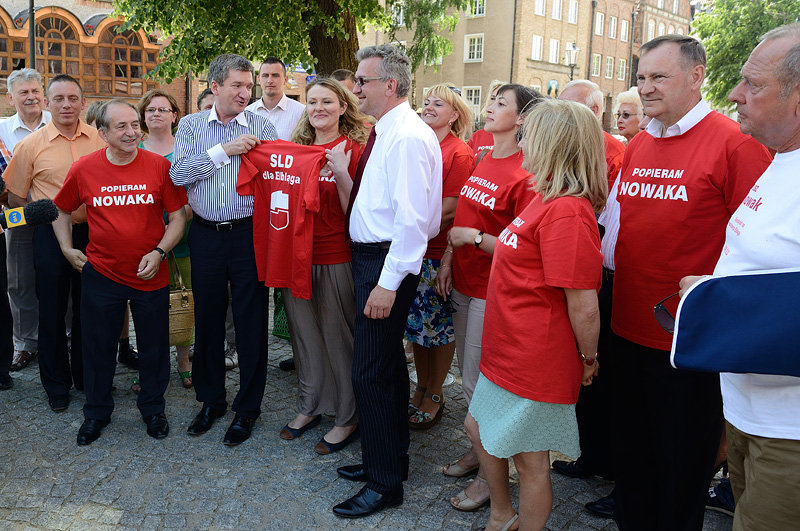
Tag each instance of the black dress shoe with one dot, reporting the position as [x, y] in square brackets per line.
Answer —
[572, 469]
[604, 507]
[239, 430]
[6, 382]
[353, 472]
[59, 403]
[157, 425]
[90, 430]
[204, 420]
[287, 365]
[366, 502]
[128, 355]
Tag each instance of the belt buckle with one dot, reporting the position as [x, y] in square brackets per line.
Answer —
[224, 226]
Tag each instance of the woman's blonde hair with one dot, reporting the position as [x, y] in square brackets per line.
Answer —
[462, 127]
[629, 96]
[148, 97]
[352, 123]
[564, 149]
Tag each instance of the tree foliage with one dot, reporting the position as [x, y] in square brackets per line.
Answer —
[315, 33]
[730, 31]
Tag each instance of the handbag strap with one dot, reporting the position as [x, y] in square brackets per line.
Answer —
[173, 266]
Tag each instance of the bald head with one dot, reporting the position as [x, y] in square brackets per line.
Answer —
[586, 93]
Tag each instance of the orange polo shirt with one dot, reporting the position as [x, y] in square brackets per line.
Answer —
[42, 159]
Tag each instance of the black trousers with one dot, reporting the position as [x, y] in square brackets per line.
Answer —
[380, 376]
[103, 304]
[667, 428]
[219, 258]
[6, 322]
[594, 409]
[56, 279]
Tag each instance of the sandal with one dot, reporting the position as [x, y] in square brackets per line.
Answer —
[467, 504]
[511, 522]
[186, 379]
[22, 358]
[422, 420]
[136, 385]
[412, 409]
[454, 470]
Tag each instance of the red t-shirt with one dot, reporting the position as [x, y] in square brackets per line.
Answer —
[284, 178]
[676, 196]
[330, 242]
[615, 151]
[479, 140]
[125, 208]
[497, 191]
[528, 345]
[457, 162]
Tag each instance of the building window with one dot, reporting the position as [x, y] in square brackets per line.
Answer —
[473, 48]
[596, 59]
[623, 30]
[477, 8]
[671, 30]
[472, 95]
[680, 31]
[660, 4]
[612, 27]
[538, 7]
[599, 18]
[622, 69]
[436, 61]
[662, 29]
[557, 9]
[12, 52]
[399, 14]
[675, 6]
[536, 48]
[651, 29]
[555, 46]
[572, 16]
[609, 67]
[57, 48]
[121, 64]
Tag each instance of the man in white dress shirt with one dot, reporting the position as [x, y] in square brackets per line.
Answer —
[26, 94]
[277, 107]
[395, 208]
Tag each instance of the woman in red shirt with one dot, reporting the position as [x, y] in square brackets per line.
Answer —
[494, 194]
[542, 319]
[430, 319]
[322, 328]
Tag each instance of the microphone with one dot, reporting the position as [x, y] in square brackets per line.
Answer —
[39, 212]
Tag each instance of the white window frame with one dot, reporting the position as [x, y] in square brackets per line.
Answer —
[622, 68]
[399, 14]
[623, 30]
[662, 29]
[596, 60]
[675, 6]
[538, 7]
[467, 38]
[537, 45]
[679, 30]
[671, 29]
[555, 51]
[557, 5]
[651, 29]
[609, 67]
[612, 27]
[572, 15]
[660, 4]
[599, 19]
[472, 95]
[477, 8]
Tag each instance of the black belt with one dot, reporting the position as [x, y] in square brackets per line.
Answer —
[370, 247]
[608, 274]
[222, 226]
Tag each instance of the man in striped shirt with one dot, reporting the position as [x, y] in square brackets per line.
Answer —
[208, 149]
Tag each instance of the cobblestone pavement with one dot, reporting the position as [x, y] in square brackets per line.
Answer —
[127, 480]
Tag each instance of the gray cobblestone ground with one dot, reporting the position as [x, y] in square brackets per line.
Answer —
[126, 480]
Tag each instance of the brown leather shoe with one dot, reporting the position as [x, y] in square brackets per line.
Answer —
[22, 358]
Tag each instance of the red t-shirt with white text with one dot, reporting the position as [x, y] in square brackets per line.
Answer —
[615, 151]
[284, 178]
[479, 140]
[528, 345]
[330, 242]
[125, 209]
[457, 162]
[496, 192]
[676, 195]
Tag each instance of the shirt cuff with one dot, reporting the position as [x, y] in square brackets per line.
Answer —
[390, 280]
[218, 156]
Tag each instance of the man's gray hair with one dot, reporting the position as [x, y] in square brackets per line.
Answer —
[394, 65]
[692, 51]
[221, 66]
[22, 75]
[103, 120]
[595, 95]
[788, 70]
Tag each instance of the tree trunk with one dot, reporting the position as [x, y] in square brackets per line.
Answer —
[333, 53]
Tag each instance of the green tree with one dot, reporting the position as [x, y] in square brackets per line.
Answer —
[729, 31]
[316, 33]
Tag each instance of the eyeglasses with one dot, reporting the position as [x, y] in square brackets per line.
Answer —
[663, 317]
[360, 80]
[625, 115]
[162, 110]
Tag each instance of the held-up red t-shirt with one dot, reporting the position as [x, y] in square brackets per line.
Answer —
[497, 191]
[615, 151]
[284, 178]
[125, 208]
[528, 345]
[479, 140]
[457, 162]
[330, 243]
[676, 196]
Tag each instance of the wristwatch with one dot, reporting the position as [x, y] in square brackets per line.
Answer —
[161, 252]
[586, 359]
[478, 239]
